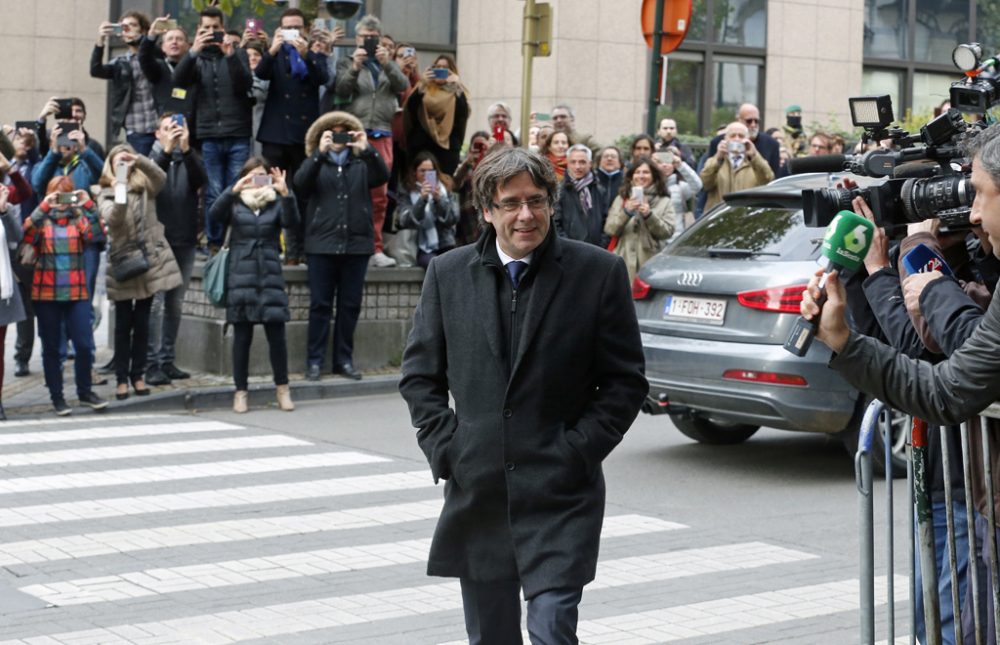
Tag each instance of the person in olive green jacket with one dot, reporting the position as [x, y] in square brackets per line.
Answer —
[735, 166]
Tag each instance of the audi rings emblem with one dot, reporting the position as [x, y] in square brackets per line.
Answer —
[690, 279]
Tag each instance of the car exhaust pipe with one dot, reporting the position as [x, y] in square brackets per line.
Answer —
[662, 405]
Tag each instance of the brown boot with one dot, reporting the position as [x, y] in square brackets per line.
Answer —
[284, 398]
[241, 401]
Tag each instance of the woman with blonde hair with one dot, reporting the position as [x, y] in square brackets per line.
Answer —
[436, 113]
[140, 262]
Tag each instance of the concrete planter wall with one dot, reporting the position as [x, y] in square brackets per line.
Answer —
[390, 297]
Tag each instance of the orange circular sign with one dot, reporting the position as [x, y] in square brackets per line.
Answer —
[676, 21]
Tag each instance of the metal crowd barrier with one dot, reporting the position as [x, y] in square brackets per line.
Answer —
[921, 542]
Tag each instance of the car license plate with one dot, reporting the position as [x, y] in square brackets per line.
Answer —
[701, 310]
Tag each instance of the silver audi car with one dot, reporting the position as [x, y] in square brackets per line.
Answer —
[715, 308]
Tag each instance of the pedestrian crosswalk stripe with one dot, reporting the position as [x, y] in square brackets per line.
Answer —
[715, 617]
[118, 431]
[217, 498]
[258, 528]
[98, 419]
[135, 584]
[335, 611]
[159, 449]
[131, 476]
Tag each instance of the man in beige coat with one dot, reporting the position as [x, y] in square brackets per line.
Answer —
[735, 166]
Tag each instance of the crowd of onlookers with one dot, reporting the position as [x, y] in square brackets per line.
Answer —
[266, 144]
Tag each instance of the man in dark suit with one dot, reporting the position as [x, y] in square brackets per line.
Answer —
[535, 338]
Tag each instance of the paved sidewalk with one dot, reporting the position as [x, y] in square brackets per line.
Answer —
[28, 396]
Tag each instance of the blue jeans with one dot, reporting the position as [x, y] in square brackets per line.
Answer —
[91, 264]
[224, 157]
[944, 569]
[143, 143]
[165, 317]
[75, 314]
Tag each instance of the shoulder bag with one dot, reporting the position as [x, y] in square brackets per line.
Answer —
[128, 259]
[215, 273]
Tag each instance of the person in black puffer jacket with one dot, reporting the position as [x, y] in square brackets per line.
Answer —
[255, 286]
[335, 181]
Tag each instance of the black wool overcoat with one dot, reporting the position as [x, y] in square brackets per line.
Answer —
[522, 448]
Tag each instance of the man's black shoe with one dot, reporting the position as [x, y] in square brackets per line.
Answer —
[61, 407]
[155, 376]
[21, 368]
[107, 368]
[347, 370]
[173, 372]
[312, 373]
[91, 400]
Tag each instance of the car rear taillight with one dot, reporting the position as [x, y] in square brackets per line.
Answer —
[785, 300]
[768, 378]
[640, 290]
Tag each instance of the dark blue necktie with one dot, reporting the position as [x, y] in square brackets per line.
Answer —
[515, 270]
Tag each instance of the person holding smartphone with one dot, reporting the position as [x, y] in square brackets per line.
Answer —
[160, 50]
[641, 217]
[468, 229]
[133, 105]
[426, 205]
[60, 292]
[436, 113]
[368, 83]
[255, 209]
[335, 181]
[734, 165]
[130, 184]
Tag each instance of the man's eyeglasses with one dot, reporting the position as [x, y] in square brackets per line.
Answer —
[537, 205]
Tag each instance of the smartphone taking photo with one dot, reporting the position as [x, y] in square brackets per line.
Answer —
[288, 35]
[441, 73]
[370, 44]
[65, 110]
[639, 194]
[342, 137]
[178, 119]
[431, 178]
[66, 198]
[121, 172]
[262, 180]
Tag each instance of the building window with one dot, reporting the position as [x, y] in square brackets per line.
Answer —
[719, 66]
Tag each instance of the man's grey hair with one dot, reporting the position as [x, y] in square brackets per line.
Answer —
[502, 165]
[493, 109]
[986, 146]
[563, 106]
[369, 23]
[579, 147]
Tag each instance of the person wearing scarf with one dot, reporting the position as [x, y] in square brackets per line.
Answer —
[335, 181]
[11, 305]
[554, 149]
[295, 75]
[129, 209]
[436, 113]
[581, 207]
[640, 225]
[429, 209]
[254, 210]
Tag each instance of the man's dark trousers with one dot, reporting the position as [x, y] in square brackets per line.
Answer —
[342, 277]
[493, 614]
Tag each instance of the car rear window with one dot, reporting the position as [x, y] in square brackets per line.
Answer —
[770, 234]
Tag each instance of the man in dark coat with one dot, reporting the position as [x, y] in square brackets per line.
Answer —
[583, 205]
[536, 339]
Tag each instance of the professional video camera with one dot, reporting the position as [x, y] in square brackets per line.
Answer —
[928, 172]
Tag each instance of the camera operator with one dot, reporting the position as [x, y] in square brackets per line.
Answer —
[77, 113]
[903, 326]
[132, 104]
[221, 75]
[736, 165]
[954, 389]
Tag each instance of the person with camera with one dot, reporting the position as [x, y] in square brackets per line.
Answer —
[371, 80]
[255, 209]
[469, 226]
[666, 137]
[56, 233]
[736, 165]
[177, 209]
[436, 114]
[581, 209]
[11, 305]
[132, 104]
[140, 263]
[336, 181]
[426, 205]
[158, 65]
[641, 217]
[220, 75]
[683, 183]
[952, 390]
[294, 75]
[70, 110]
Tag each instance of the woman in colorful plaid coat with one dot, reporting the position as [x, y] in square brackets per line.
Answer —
[57, 231]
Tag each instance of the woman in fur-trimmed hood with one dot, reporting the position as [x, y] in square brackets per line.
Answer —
[335, 182]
